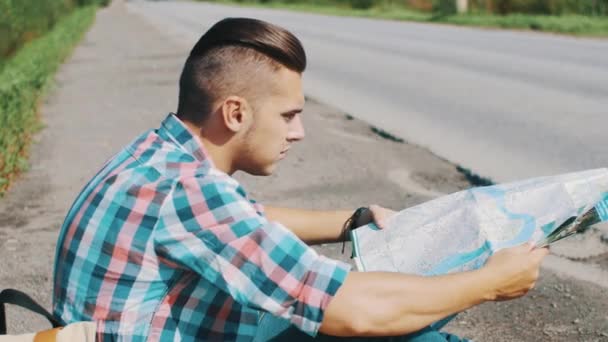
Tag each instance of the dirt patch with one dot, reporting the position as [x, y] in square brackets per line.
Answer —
[559, 309]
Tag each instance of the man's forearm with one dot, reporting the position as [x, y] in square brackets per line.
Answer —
[311, 226]
[384, 304]
[387, 304]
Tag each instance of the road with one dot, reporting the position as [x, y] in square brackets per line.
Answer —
[508, 105]
[121, 80]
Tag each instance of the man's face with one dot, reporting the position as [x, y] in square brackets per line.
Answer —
[276, 124]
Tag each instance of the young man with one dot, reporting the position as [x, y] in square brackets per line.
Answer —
[163, 244]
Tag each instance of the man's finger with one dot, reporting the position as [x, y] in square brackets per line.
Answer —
[540, 253]
[380, 224]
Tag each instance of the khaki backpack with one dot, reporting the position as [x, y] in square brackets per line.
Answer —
[80, 331]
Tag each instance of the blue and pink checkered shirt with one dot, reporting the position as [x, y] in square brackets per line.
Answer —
[160, 246]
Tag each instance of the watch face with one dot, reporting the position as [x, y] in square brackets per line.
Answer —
[364, 216]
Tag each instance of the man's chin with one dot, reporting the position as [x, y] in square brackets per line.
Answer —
[262, 171]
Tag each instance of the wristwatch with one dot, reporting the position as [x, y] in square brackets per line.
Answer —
[361, 217]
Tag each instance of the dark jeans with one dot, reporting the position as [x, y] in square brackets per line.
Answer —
[272, 328]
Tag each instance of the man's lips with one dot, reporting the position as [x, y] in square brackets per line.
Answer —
[283, 153]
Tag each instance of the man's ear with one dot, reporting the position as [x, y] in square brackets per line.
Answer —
[235, 113]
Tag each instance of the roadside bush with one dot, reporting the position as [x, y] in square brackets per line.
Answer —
[25, 20]
[584, 7]
[356, 4]
[362, 4]
[549, 7]
[22, 21]
[23, 81]
[444, 7]
[93, 2]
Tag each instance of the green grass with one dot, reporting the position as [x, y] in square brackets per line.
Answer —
[566, 24]
[24, 80]
[25, 20]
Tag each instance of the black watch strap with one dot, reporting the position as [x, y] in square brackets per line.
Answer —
[361, 217]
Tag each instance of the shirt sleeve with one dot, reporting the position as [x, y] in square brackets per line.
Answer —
[212, 229]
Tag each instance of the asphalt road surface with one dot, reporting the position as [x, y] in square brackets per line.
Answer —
[508, 105]
[121, 80]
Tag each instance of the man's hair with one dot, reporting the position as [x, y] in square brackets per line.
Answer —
[230, 59]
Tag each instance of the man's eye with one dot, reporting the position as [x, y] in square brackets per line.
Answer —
[289, 117]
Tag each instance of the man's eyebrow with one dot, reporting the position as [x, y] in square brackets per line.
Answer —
[293, 111]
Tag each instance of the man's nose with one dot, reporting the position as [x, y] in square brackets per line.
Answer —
[296, 130]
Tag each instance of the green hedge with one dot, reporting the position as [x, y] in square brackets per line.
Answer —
[446, 7]
[571, 24]
[547, 7]
[23, 81]
[24, 20]
[356, 4]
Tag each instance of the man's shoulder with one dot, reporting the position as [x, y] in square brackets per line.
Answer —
[211, 181]
[152, 164]
[170, 161]
[148, 161]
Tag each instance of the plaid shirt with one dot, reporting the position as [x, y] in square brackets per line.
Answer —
[160, 245]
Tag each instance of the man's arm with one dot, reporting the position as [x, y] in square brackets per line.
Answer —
[387, 304]
[311, 226]
[316, 226]
[259, 263]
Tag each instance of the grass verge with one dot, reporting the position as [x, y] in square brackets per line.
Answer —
[565, 24]
[24, 79]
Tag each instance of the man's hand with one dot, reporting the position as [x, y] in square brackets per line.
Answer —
[514, 271]
[380, 215]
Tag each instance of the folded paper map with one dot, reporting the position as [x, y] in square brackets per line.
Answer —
[458, 232]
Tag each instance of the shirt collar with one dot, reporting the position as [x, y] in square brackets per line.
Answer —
[174, 129]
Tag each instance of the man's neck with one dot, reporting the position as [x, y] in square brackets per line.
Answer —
[219, 154]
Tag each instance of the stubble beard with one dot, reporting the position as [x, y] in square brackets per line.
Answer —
[248, 163]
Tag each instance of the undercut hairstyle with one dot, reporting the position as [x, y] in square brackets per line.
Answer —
[236, 56]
